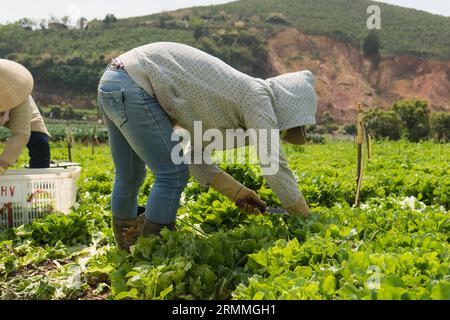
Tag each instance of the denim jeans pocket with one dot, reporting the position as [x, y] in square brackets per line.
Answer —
[113, 106]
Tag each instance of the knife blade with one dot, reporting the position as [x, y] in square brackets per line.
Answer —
[273, 210]
[263, 209]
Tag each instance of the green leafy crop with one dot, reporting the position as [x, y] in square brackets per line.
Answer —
[395, 246]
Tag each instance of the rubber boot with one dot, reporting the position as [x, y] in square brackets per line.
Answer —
[127, 231]
[151, 228]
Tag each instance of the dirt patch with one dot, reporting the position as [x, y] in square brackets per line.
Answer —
[345, 77]
[38, 269]
[89, 294]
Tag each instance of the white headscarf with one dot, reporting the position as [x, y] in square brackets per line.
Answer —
[295, 99]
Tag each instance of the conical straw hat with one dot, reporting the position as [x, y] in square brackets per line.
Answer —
[16, 84]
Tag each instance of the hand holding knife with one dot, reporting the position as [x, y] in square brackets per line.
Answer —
[261, 208]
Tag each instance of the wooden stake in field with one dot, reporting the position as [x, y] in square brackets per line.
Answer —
[69, 138]
[94, 138]
[359, 142]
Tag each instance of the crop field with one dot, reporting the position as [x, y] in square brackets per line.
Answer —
[394, 246]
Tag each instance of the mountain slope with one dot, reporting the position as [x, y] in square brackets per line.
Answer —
[252, 35]
[403, 30]
[345, 77]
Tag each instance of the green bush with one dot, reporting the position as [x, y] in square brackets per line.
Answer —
[109, 19]
[200, 28]
[415, 117]
[82, 134]
[277, 18]
[55, 112]
[383, 124]
[440, 126]
[316, 139]
[350, 129]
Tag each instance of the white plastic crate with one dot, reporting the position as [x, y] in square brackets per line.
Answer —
[32, 193]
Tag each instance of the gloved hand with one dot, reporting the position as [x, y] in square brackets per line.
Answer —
[248, 201]
[234, 190]
[300, 208]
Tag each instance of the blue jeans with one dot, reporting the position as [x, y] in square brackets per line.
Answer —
[139, 135]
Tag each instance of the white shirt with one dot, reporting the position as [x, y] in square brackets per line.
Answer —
[192, 85]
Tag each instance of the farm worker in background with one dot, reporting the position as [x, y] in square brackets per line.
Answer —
[19, 113]
[146, 91]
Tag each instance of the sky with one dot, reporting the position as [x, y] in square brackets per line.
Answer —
[91, 9]
[441, 7]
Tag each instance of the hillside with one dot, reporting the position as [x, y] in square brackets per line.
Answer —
[262, 38]
[344, 76]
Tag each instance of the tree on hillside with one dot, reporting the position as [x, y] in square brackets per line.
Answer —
[200, 27]
[56, 23]
[278, 18]
[109, 19]
[43, 24]
[55, 112]
[69, 113]
[57, 26]
[350, 129]
[27, 23]
[371, 47]
[383, 124]
[65, 20]
[82, 23]
[163, 20]
[440, 126]
[415, 118]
